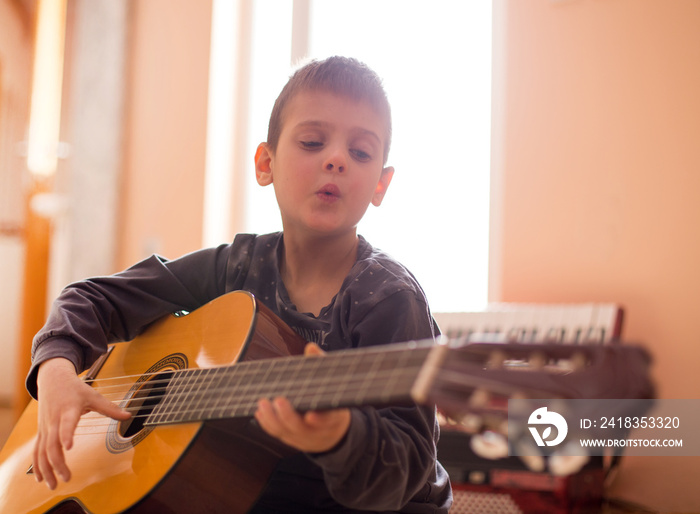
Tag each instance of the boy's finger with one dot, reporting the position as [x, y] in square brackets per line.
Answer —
[35, 459]
[66, 429]
[277, 417]
[47, 460]
[268, 420]
[327, 419]
[265, 414]
[56, 458]
[318, 418]
[288, 417]
[103, 406]
[312, 349]
[45, 471]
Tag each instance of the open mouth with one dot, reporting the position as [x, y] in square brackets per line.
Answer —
[329, 191]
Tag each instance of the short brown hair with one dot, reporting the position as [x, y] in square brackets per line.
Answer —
[340, 75]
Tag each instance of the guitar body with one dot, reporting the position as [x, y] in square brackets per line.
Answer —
[211, 466]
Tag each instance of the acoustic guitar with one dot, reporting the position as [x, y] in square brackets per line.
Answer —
[192, 383]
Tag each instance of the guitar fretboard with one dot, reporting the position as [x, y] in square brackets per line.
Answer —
[334, 380]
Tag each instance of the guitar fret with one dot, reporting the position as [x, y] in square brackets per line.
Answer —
[162, 411]
[351, 370]
[229, 394]
[222, 375]
[322, 385]
[290, 378]
[361, 388]
[180, 396]
[402, 381]
[255, 392]
[371, 378]
[204, 381]
[326, 375]
[192, 402]
[389, 388]
[244, 402]
[275, 386]
[313, 370]
[155, 414]
[187, 407]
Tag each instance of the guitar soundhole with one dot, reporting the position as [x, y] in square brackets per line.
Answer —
[143, 398]
[143, 402]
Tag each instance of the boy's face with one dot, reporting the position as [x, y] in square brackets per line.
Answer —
[328, 165]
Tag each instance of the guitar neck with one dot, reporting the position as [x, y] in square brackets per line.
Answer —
[404, 374]
[376, 377]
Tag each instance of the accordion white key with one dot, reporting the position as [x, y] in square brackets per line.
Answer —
[588, 323]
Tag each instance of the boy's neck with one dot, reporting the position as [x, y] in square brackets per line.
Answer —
[313, 269]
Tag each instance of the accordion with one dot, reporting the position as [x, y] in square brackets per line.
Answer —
[508, 485]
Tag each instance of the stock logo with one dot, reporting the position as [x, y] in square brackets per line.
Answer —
[543, 417]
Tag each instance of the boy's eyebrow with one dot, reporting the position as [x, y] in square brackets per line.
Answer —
[323, 124]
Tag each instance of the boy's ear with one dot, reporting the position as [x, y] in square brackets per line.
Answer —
[263, 168]
[382, 185]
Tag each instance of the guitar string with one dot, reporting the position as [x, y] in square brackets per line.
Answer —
[349, 386]
[199, 376]
[197, 387]
[245, 367]
[214, 395]
[249, 404]
[88, 426]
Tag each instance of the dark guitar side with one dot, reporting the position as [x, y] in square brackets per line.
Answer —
[213, 466]
[224, 470]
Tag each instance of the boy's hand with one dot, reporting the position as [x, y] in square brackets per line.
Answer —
[313, 431]
[63, 398]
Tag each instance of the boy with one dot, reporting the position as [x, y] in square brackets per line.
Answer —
[325, 156]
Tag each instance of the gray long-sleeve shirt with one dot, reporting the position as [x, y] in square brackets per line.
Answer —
[386, 463]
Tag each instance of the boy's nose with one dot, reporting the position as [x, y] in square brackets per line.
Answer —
[335, 161]
[330, 167]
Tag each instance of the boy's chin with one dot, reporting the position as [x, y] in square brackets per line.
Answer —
[331, 231]
[321, 226]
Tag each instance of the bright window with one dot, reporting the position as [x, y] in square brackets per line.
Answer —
[435, 59]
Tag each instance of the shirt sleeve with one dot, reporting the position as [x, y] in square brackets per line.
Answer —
[90, 314]
[388, 457]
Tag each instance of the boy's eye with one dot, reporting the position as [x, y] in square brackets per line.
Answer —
[311, 145]
[360, 155]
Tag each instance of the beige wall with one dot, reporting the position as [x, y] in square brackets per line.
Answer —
[163, 187]
[601, 179]
[600, 166]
